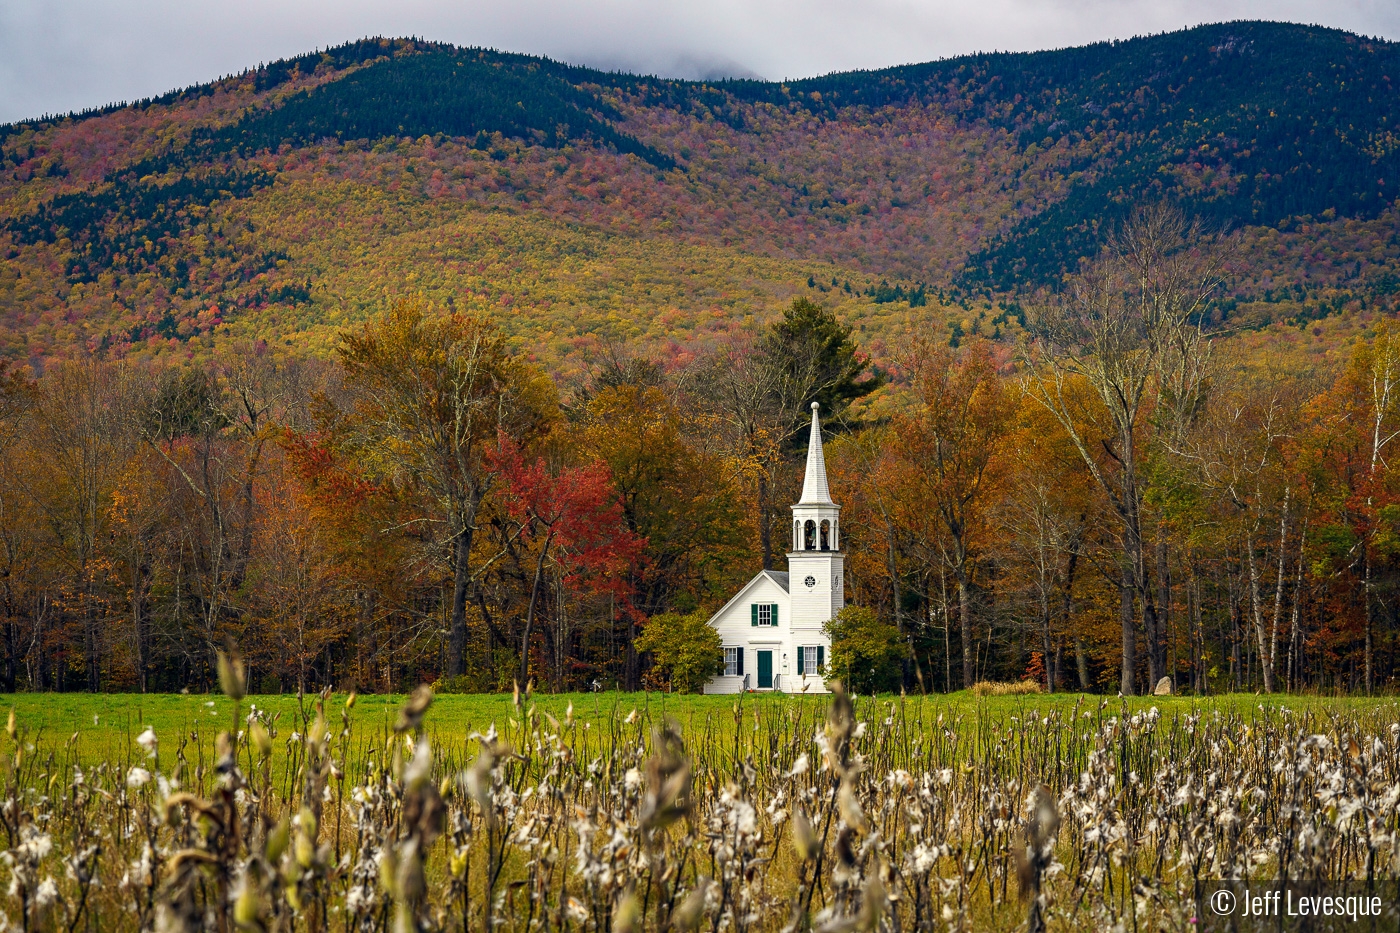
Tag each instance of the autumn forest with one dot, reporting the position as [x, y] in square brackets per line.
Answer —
[402, 363]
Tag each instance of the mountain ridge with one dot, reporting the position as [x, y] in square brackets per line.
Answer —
[982, 176]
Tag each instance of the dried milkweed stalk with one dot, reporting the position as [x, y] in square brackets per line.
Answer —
[831, 814]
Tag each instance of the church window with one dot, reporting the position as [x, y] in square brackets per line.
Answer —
[809, 536]
[826, 535]
[764, 613]
[809, 663]
[733, 662]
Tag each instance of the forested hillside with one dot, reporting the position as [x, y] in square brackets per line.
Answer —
[156, 227]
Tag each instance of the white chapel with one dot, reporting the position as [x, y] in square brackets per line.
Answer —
[772, 628]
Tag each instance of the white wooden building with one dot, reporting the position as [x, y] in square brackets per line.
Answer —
[772, 628]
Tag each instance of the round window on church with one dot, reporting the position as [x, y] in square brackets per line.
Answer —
[811, 582]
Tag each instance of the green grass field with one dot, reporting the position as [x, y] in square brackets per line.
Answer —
[106, 725]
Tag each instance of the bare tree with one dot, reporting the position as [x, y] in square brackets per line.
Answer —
[1040, 542]
[1131, 327]
[748, 399]
[1238, 451]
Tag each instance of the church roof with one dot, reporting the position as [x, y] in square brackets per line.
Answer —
[779, 577]
[814, 488]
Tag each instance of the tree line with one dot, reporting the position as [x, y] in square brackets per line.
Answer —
[1123, 497]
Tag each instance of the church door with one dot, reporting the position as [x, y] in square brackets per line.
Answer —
[765, 670]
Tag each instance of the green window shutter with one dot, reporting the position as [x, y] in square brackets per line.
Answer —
[739, 668]
[774, 616]
[753, 611]
[800, 649]
[821, 658]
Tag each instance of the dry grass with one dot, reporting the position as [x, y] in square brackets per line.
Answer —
[823, 816]
[995, 688]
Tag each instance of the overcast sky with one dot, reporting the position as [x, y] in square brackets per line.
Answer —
[61, 55]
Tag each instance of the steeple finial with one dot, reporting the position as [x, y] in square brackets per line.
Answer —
[814, 488]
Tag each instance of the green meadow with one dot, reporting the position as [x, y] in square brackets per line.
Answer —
[103, 727]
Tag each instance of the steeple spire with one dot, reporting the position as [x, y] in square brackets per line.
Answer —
[814, 488]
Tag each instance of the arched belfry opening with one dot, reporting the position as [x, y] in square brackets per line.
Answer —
[826, 535]
[809, 536]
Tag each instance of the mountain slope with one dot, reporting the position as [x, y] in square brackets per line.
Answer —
[259, 204]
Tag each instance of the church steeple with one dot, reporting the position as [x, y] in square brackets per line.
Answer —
[815, 517]
[814, 488]
[815, 562]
